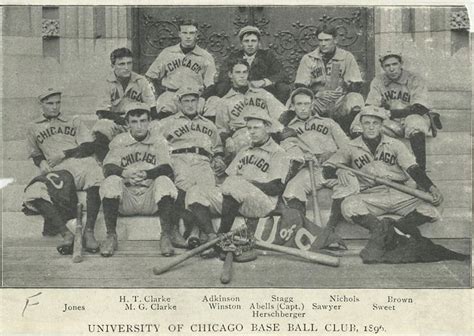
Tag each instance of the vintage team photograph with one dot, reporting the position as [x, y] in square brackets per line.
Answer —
[227, 146]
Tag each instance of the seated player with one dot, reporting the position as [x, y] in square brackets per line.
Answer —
[256, 179]
[317, 140]
[123, 86]
[139, 179]
[229, 120]
[405, 95]
[59, 142]
[382, 156]
[196, 149]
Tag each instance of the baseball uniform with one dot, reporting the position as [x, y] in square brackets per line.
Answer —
[260, 164]
[193, 143]
[229, 118]
[313, 73]
[51, 136]
[391, 161]
[316, 137]
[138, 198]
[409, 89]
[174, 69]
[115, 96]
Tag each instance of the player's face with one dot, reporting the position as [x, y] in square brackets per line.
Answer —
[327, 43]
[258, 131]
[239, 75]
[51, 106]
[371, 126]
[302, 105]
[189, 104]
[138, 125]
[249, 44]
[392, 67]
[188, 36]
[123, 67]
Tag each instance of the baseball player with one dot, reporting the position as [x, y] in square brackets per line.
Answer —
[138, 179]
[184, 64]
[229, 119]
[266, 71]
[58, 142]
[382, 156]
[334, 76]
[256, 179]
[317, 139]
[123, 86]
[196, 152]
[405, 95]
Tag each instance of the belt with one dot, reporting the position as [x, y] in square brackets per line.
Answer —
[195, 150]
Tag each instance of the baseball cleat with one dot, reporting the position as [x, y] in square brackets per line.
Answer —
[67, 245]
[90, 243]
[109, 245]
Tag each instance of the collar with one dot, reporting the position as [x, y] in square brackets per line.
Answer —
[268, 146]
[402, 80]
[196, 51]
[130, 140]
[181, 115]
[113, 79]
[338, 55]
[44, 119]
[296, 119]
[358, 142]
[231, 93]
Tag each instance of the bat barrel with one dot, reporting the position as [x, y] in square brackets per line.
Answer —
[226, 275]
[310, 256]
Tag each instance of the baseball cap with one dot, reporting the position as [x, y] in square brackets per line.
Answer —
[46, 92]
[188, 90]
[137, 106]
[389, 53]
[254, 112]
[373, 111]
[302, 90]
[103, 107]
[249, 29]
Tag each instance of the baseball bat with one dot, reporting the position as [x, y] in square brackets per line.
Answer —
[314, 195]
[226, 275]
[307, 255]
[400, 187]
[77, 250]
[157, 270]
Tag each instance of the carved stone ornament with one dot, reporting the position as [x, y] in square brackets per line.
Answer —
[459, 20]
[50, 28]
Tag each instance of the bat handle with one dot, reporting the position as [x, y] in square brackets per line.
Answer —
[226, 275]
[77, 250]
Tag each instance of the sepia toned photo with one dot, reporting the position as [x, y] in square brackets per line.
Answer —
[300, 147]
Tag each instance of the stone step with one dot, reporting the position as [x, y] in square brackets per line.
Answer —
[451, 143]
[455, 224]
[455, 120]
[450, 99]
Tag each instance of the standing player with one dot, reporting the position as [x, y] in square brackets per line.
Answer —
[405, 95]
[123, 87]
[317, 140]
[138, 179]
[257, 178]
[184, 64]
[229, 118]
[196, 149]
[58, 142]
[337, 93]
[265, 70]
[382, 156]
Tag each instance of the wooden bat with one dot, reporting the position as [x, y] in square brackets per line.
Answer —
[77, 251]
[307, 255]
[314, 195]
[157, 270]
[226, 275]
[400, 187]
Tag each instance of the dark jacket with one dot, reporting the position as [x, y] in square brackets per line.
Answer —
[265, 65]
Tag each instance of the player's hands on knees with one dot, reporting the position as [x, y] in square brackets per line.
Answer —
[344, 177]
[44, 167]
[218, 165]
[56, 159]
[437, 196]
